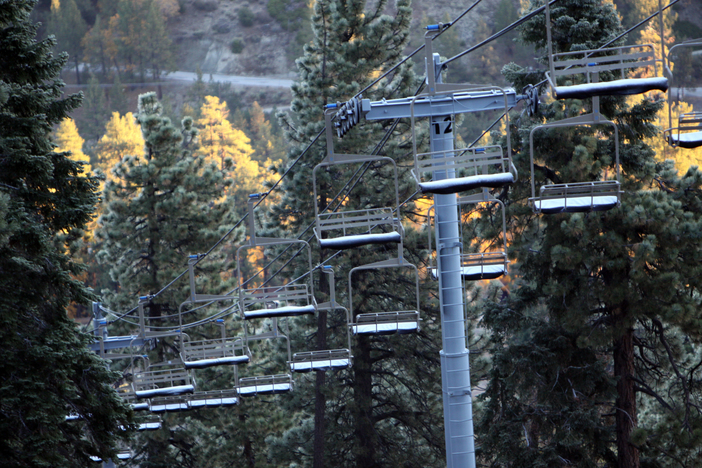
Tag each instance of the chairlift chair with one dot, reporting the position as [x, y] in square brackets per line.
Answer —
[150, 423]
[385, 322]
[210, 352]
[171, 403]
[582, 70]
[265, 384]
[330, 358]
[688, 132]
[576, 197]
[461, 169]
[479, 265]
[162, 379]
[273, 301]
[214, 398]
[346, 229]
[223, 350]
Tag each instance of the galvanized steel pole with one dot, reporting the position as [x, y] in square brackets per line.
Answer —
[455, 367]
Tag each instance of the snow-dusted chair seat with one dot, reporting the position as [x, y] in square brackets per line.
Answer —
[320, 360]
[577, 197]
[579, 75]
[468, 168]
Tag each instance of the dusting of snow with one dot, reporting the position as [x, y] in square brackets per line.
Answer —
[687, 140]
[348, 242]
[320, 364]
[284, 311]
[202, 363]
[165, 391]
[460, 184]
[611, 88]
[575, 204]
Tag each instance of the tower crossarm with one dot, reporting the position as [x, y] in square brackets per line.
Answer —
[434, 106]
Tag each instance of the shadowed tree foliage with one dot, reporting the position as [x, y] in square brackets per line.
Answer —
[46, 369]
[373, 414]
[596, 348]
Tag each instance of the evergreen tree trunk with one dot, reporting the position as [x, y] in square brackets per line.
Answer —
[249, 457]
[320, 401]
[626, 419]
[363, 405]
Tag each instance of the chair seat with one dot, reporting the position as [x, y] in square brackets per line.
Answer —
[611, 88]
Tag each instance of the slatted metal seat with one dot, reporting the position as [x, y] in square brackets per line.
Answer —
[277, 301]
[165, 404]
[162, 380]
[472, 167]
[385, 322]
[266, 384]
[210, 352]
[320, 360]
[483, 266]
[582, 71]
[688, 133]
[151, 423]
[356, 228]
[214, 352]
[577, 197]
[214, 398]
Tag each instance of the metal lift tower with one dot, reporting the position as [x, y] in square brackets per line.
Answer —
[440, 104]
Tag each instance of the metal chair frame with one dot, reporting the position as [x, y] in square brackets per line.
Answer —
[248, 386]
[553, 198]
[386, 322]
[463, 168]
[298, 299]
[588, 64]
[478, 265]
[330, 358]
[688, 132]
[214, 351]
[162, 379]
[354, 228]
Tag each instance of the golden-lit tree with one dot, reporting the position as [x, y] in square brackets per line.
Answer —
[67, 139]
[122, 138]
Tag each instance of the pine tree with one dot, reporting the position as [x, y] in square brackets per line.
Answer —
[596, 345]
[100, 48]
[164, 204]
[122, 138]
[68, 140]
[374, 414]
[45, 201]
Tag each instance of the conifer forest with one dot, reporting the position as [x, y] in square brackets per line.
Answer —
[351, 233]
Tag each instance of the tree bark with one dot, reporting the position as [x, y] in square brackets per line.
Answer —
[626, 419]
[320, 399]
[363, 405]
